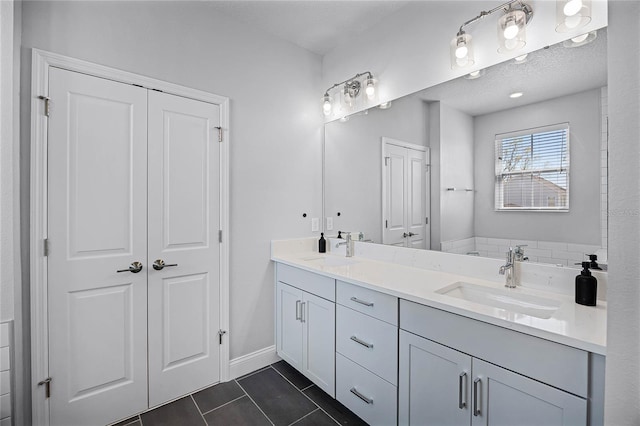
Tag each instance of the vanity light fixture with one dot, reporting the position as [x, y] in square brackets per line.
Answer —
[581, 40]
[385, 105]
[511, 32]
[349, 92]
[572, 14]
[521, 59]
[475, 74]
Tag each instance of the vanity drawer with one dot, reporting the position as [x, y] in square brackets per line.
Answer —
[370, 302]
[319, 285]
[377, 403]
[368, 341]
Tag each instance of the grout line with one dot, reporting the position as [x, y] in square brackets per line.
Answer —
[310, 386]
[198, 408]
[301, 418]
[252, 373]
[226, 403]
[254, 403]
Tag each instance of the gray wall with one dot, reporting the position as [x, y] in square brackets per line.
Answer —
[275, 121]
[582, 223]
[353, 158]
[456, 171]
[622, 386]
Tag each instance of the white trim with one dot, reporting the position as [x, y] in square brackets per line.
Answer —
[42, 61]
[245, 364]
[391, 141]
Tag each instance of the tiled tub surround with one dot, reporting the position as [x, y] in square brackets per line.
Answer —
[416, 275]
[552, 252]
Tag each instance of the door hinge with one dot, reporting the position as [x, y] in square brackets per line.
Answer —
[47, 104]
[426, 220]
[46, 247]
[386, 161]
[220, 334]
[47, 386]
[219, 133]
[220, 235]
[386, 223]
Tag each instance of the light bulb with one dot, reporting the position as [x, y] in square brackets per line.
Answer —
[371, 88]
[326, 104]
[572, 7]
[461, 50]
[580, 38]
[511, 29]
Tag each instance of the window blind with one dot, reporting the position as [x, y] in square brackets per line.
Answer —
[532, 169]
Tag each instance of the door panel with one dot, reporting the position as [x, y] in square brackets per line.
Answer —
[395, 196]
[97, 190]
[319, 325]
[416, 198]
[183, 221]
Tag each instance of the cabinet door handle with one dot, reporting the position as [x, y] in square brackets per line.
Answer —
[298, 315]
[302, 318]
[361, 396]
[476, 390]
[463, 377]
[362, 302]
[362, 342]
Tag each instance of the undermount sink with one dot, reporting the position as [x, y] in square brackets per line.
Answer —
[535, 306]
[331, 261]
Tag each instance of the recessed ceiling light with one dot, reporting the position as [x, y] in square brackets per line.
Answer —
[516, 95]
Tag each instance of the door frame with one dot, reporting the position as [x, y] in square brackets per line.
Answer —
[383, 149]
[41, 63]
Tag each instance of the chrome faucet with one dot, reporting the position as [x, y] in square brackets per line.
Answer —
[349, 243]
[511, 269]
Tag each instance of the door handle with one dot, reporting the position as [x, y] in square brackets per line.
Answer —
[134, 268]
[411, 234]
[461, 388]
[298, 313]
[159, 265]
[405, 235]
[362, 342]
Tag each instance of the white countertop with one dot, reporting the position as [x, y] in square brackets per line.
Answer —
[582, 327]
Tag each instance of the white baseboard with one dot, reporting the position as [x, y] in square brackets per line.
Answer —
[245, 364]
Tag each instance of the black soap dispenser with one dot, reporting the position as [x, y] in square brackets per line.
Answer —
[586, 286]
[322, 244]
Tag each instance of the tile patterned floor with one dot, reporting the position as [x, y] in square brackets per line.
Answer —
[276, 395]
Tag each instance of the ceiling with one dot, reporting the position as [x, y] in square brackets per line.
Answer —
[318, 26]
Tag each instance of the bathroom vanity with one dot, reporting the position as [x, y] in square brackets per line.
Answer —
[404, 336]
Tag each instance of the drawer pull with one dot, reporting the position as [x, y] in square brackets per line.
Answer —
[361, 396]
[461, 378]
[298, 313]
[362, 342]
[476, 390]
[362, 302]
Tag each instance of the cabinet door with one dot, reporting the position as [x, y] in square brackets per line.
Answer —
[289, 324]
[319, 325]
[501, 397]
[433, 383]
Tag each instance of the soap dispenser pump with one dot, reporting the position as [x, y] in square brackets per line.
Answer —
[586, 286]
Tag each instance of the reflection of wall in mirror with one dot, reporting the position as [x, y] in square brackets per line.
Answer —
[353, 180]
[553, 237]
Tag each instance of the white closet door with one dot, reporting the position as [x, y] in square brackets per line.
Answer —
[97, 215]
[184, 218]
[416, 215]
[395, 195]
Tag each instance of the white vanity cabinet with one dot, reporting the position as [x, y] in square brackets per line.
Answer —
[305, 324]
[367, 353]
[450, 373]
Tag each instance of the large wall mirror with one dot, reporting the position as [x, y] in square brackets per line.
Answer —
[423, 172]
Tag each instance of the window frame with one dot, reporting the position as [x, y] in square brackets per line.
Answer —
[499, 174]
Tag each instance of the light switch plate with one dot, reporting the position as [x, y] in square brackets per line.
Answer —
[329, 224]
[315, 224]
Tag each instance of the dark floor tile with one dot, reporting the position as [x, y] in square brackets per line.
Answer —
[182, 412]
[215, 396]
[253, 372]
[239, 412]
[293, 375]
[280, 401]
[317, 418]
[339, 412]
[133, 421]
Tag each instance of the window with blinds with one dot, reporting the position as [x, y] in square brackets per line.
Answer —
[532, 169]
